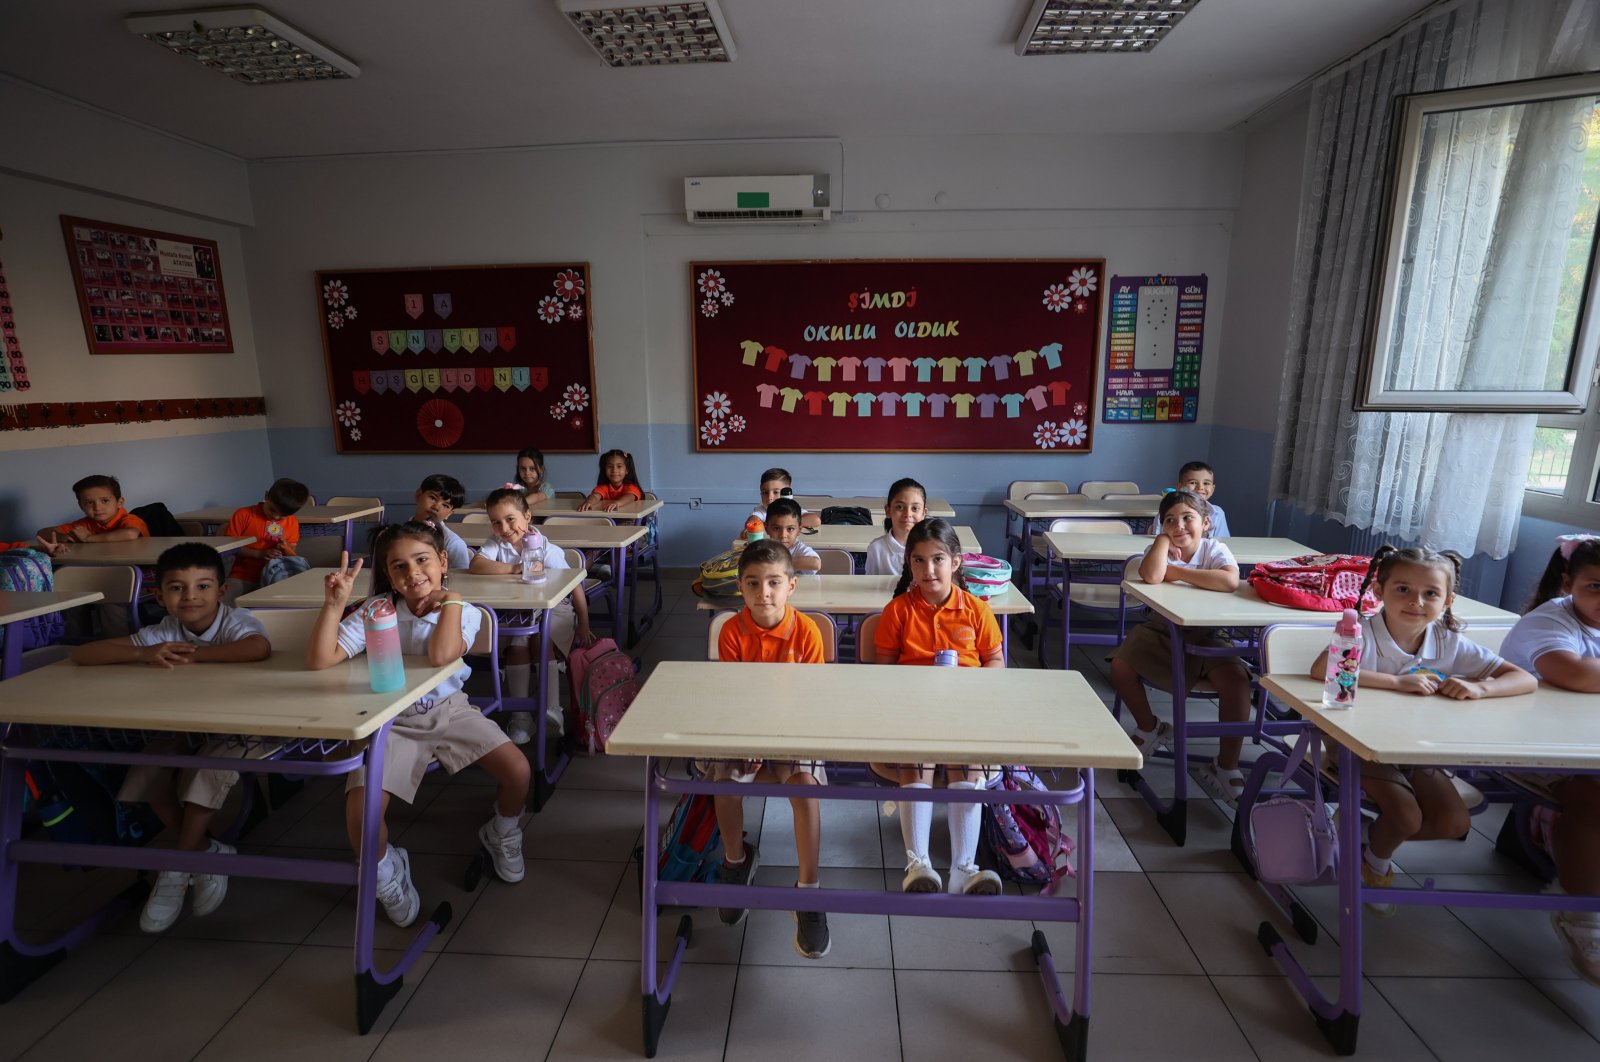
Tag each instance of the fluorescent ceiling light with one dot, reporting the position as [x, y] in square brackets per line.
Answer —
[245, 43]
[1066, 27]
[632, 34]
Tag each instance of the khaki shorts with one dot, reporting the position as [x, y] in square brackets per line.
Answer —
[1148, 650]
[206, 788]
[739, 770]
[453, 732]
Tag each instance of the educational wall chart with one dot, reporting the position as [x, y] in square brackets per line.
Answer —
[958, 356]
[476, 359]
[147, 292]
[1153, 338]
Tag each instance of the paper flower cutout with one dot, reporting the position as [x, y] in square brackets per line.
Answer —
[349, 313]
[717, 405]
[335, 293]
[551, 309]
[349, 414]
[559, 410]
[713, 432]
[440, 422]
[726, 298]
[576, 397]
[1080, 306]
[736, 423]
[1044, 436]
[335, 319]
[1055, 298]
[709, 307]
[575, 311]
[1082, 281]
[1074, 432]
[569, 285]
[712, 282]
[1079, 409]
[355, 434]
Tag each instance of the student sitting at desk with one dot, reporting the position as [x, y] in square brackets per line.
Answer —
[408, 564]
[768, 630]
[276, 532]
[1559, 641]
[198, 629]
[1414, 645]
[1197, 477]
[904, 508]
[777, 483]
[105, 518]
[438, 497]
[1181, 553]
[932, 613]
[617, 484]
[531, 477]
[783, 527]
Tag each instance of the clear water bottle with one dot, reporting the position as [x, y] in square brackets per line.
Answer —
[385, 669]
[1344, 663]
[533, 557]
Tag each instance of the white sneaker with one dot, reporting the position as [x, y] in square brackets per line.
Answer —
[1582, 940]
[555, 721]
[505, 851]
[970, 881]
[210, 889]
[519, 728]
[165, 903]
[397, 895]
[920, 877]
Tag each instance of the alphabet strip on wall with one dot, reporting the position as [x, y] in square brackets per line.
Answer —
[31, 415]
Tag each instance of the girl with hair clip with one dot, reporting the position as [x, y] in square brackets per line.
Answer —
[408, 566]
[617, 484]
[1414, 645]
[904, 508]
[932, 612]
[531, 478]
[1559, 641]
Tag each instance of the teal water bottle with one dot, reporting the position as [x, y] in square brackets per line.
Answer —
[385, 669]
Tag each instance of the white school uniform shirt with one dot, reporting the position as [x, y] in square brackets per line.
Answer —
[885, 556]
[1442, 650]
[456, 550]
[1210, 555]
[231, 625]
[498, 549]
[1552, 627]
[1219, 523]
[800, 549]
[415, 631]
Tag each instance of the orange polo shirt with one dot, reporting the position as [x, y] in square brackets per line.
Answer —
[795, 640]
[918, 630]
[251, 521]
[609, 493]
[123, 519]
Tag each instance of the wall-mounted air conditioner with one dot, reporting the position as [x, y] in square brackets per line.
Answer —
[789, 199]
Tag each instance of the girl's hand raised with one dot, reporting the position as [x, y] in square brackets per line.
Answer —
[340, 582]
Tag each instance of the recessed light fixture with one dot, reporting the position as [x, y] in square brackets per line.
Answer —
[246, 43]
[631, 34]
[1068, 27]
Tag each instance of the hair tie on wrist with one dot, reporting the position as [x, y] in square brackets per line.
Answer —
[1568, 543]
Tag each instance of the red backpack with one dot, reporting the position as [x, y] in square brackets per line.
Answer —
[604, 684]
[1317, 582]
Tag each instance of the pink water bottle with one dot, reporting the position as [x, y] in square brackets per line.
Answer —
[1344, 663]
[532, 557]
[385, 669]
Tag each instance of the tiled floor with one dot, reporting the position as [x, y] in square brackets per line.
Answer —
[548, 969]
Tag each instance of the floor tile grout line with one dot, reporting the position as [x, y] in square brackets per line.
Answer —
[245, 1001]
[118, 972]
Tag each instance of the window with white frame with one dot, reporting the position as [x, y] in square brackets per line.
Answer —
[1564, 475]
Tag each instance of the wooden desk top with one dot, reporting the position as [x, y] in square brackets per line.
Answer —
[310, 514]
[140, 551]
[276, 697]
[1089, 508]
[18, 605]
[633, 510]
[593, 535]
[873, 504]
[856, 538]
[1190, 606]
[856, 712]
[499, 592]
[1548, 728]
[860, 595]
[1100, 547]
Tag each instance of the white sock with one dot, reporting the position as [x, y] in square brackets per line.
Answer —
[965, 820]
[1378, 865]
[808, 885]
[517, 680]
[916, 820]
[388, 866]
[505, 825]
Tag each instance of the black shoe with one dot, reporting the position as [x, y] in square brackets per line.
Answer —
[739, 875]
[811, 934]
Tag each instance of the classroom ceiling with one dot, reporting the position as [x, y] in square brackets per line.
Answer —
[490, 73]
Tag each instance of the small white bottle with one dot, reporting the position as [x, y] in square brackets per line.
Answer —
[1344, 663]
[533, 557]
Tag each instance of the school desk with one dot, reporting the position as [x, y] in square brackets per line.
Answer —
[1029, 510]
[216, 516]
[877, 714]
[619, 540]
[1189, 606]
[141, 552]
[19, 605]
[873, 504]
[856, 537]
[1549, 730]
[516, 604]
[308, 722]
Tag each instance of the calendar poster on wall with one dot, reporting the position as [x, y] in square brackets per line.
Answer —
[956, 356]
[1153, 339]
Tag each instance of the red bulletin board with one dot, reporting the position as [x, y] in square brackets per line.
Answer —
[474, 359]
[957, 356]
[147, 292]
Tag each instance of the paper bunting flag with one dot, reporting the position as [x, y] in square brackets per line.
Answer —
[541, 378]
[484, 376]
[414, 306]
[397, 340]
[502, 377]
[414, 341]
[468, 379]
[442, 305]
[469, 340]
[362, 380]
[380, 382]
[508, 338]
[413, 380]
[519, 377]
[397, 380]
[452, 339]
[435, 340]
[380, 342]
[489, 339]
[448, 378]
[430, 379]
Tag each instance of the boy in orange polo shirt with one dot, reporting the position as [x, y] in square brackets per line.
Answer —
[104, 517]
[768, 630]
[276, 532]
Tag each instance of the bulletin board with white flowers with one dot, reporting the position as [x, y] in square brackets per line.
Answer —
[961, 356]
[472, 359]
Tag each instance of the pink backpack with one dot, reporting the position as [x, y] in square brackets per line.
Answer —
[604, 683]
[1317, 582]
[1024, 841]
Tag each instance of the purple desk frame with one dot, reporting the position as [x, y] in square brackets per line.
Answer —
[545, 777]
[1071, 1018]
[1066, 603]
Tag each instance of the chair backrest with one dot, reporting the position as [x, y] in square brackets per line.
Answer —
[475, 518]
[1291, 648]
[1052, 497]
[1133, 497]
[346, 500]
[117, 583]
[487, 643]
[1490, 637]
[650, 495]
[830, 635]
[866, 646]
[288, 629]
[1076, 525]
[1130, 569]
[588, 521]
[193, 527]
[718, 621]
[1099, 488]
[837, 562]
[575, 557]
[1021, 488]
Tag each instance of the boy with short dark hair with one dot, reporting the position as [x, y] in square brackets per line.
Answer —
[1198, 478]
[105, 518]
[199, 628]
[783, 527]
[276, 532]
[774, 481]
[438, 497]
[769, 630]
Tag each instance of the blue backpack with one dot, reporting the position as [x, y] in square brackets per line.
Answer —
[691, 850]
[28, 569]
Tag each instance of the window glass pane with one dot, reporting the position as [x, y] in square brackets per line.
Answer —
[1552, 459]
